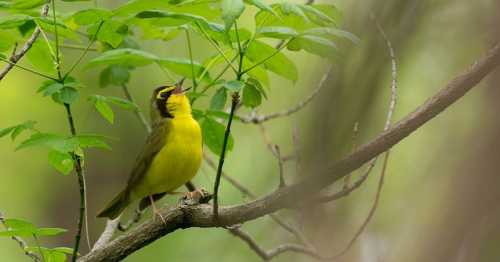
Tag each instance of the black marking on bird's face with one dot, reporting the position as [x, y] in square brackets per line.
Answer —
[162, 94]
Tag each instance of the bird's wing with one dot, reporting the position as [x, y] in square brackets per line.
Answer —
[154, 143]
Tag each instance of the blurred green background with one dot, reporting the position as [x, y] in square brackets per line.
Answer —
[440, 201]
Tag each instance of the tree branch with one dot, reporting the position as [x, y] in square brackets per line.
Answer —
[257, 119]
[268, 255]
[15, 57]
[202, 215]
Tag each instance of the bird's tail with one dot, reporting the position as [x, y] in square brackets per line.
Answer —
[116, 206]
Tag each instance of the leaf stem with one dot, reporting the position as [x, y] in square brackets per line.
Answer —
[213, 81]
[58, 64]
[137, 112]
[193, 76]
[28, 70]
[240, 52]
[86, 50]
[39, 248]
[267, 58]
[216, 47]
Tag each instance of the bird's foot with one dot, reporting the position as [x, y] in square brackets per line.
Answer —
[155, 210]
[198, 196]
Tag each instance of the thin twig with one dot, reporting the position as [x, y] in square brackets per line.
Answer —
[190, 51]
[80, 174]
[387, 125]
[84, 53]
[77, 47]
[27, 69]
[57, 58]
[217, 48]
[256, 119]
[280, 165]
[278, 50]
[248, 193]
[137, 113]
[234, 102]
[26, 47]
[22, 244]
[354, 138]
[268, 255]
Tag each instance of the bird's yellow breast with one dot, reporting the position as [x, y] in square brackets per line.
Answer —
[178, 161]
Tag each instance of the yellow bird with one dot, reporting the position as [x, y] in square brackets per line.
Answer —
[171, 157]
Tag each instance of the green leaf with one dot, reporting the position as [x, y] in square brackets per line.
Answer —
[64, 250]
[19, 224]
[105, 110]
[329, 10]
[219, 99]
[213, 135]
[112, 32]
[6, 131]
[41, 58]
[251, 96]
[63, 162]
[28, 125]
[256, 84]
[91, 141]
[67, 95]
[317, 15]
[55, 256]
[123, 103]
[13, 21]
[333, 33]
[234, 85]
[162, 18]
[53, 141]
[183, 67]
[262, 6]
[12, 233]
[50, 87]
[315, 45]
[231, 10]
[114, 75]
[49, 231]
[258, 72]
[27, 4]
[291, 8]
[205, 9]
[279, 64]
[90, 16]
[124, 57]
[279, 32]
[47, 25]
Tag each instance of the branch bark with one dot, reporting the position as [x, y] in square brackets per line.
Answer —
[201, 215]
[15, 57]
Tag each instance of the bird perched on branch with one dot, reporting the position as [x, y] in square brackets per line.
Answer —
[171, 157]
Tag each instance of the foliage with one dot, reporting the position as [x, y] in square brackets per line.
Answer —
[23, 228]
[281, 29]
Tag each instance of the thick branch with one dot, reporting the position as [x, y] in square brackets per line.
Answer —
[201, 215]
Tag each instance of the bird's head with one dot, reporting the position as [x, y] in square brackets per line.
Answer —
[171, 100]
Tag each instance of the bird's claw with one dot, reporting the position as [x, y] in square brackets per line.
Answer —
[198, 196]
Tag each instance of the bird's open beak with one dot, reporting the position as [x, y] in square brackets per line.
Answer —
[178, 87]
